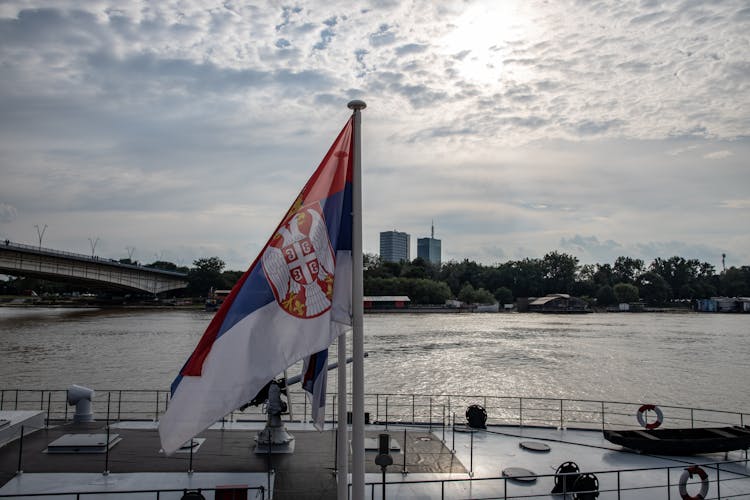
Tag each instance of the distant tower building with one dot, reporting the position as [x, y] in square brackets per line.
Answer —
[394, 246]
[429, 248]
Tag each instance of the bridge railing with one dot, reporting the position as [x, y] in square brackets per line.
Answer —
[78, 256]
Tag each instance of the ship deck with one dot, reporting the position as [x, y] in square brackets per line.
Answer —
[225, 457]
[430, 463]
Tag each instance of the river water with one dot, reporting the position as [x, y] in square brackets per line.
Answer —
[699, 360]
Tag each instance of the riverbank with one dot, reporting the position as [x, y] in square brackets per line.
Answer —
[409, 310]
[96, 303]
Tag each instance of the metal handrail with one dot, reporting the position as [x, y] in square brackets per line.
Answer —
[130, 404]
[410, 409]
[602, 473]
[99, 494]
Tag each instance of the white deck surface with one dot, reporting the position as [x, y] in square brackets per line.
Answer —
[493, 452]
[51, 483]
[30, 421]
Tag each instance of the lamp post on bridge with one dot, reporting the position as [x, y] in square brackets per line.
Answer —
[40, 233]
[93, 246]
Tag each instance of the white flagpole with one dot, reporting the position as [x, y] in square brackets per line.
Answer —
[342, 434]
[358, 342]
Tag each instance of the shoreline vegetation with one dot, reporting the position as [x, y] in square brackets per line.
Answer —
[666, 284]
[25, 302]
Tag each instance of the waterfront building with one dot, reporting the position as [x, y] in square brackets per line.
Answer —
[429, 248]
[386, 302]
[394, 246]
[558, 303]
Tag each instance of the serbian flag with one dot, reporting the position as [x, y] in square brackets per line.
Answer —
[295, 299]
[314, 381]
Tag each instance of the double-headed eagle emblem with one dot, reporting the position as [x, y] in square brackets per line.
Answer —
[299, 264]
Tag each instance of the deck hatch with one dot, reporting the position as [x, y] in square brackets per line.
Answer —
[83, 443]
[371, 444]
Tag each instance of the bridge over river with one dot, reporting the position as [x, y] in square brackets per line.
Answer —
[25, 260]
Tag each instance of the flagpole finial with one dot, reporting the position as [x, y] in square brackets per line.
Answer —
[356, 105]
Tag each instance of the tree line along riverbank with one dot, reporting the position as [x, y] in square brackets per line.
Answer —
[663, 283]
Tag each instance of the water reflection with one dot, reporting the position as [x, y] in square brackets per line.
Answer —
[693, 360]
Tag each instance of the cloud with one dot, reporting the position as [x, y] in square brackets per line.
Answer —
[287, 14]
[419, 96]
[326, 36]
[682, 150]
[589, 127]
[665, 249]
[590, 249]
[718, 155]
[8, 213]
[525, 125]
[411, 48]
[383, 36]
[736, 204]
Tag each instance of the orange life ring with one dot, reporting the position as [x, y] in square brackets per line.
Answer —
[687, 474]
[642, 420]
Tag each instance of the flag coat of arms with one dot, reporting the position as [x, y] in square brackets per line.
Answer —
[292, 302]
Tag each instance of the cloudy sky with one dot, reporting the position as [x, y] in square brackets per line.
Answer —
[184, 129]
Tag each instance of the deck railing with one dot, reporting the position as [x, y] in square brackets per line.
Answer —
[234, 492]
[618, 482]
[441, 412]
[390, 408]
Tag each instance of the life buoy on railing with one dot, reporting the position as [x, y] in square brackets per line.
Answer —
[642, 419]
[687, 474]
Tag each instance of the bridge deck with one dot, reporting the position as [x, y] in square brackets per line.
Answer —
[24, 260]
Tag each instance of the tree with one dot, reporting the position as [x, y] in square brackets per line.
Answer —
[470, 295]
[559, 272]
[370, 261]
[627, 269]
[654, 289]
[686, 292]
[419, 291]
[230, 278]
[415, 269]
[163, 265]
[456, 274]
[527, 278]
[423, 291]
[205, 275]
[605, 296]
[585, 284]
[466, 295]
[504, 295]
[483, 296]
[626, 293]
[735, 282]
[677, 272]
[603, 275]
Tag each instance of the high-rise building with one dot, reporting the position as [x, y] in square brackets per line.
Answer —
[429, 248]
[394, 246]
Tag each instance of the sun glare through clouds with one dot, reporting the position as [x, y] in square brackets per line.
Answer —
[483, 36]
